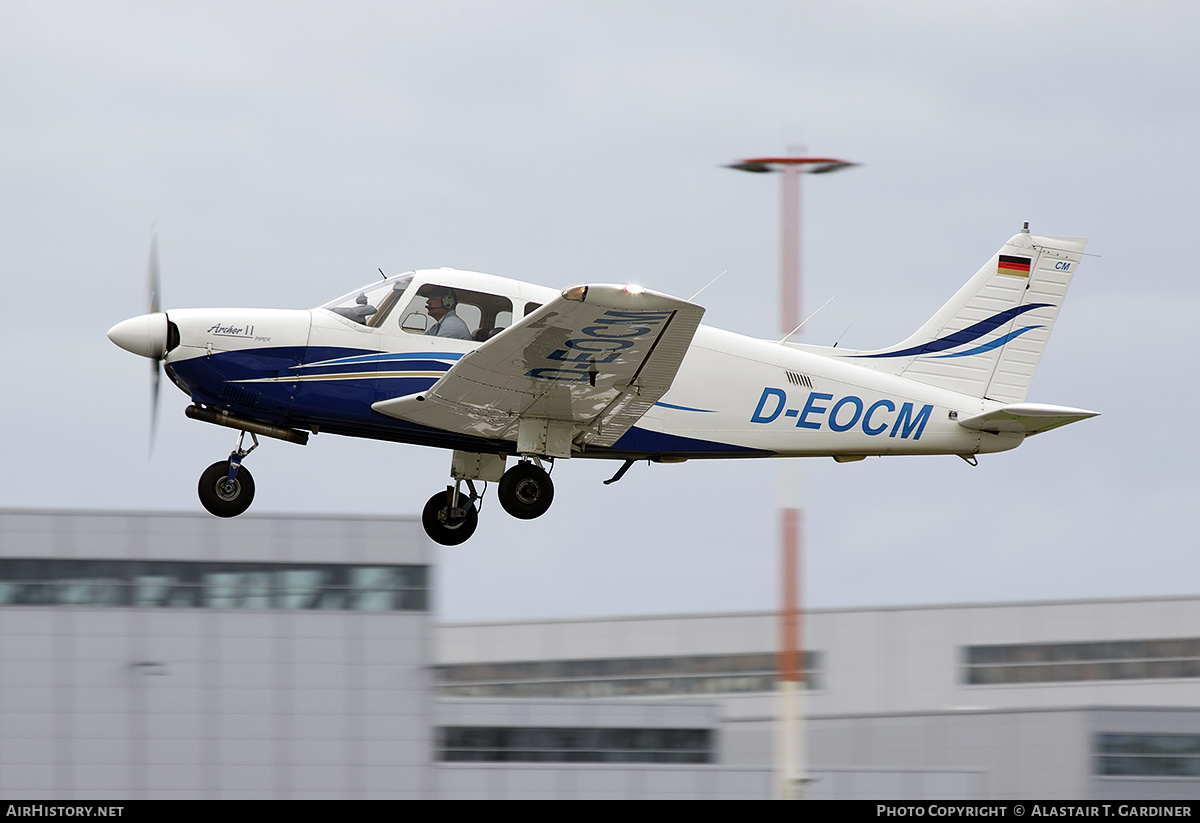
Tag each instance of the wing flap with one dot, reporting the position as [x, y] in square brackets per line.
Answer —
[1026, 418]
[598, 358]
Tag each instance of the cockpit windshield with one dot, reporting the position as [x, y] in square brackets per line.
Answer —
[371, 304]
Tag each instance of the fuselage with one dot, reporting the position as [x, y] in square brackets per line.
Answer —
[734, 396]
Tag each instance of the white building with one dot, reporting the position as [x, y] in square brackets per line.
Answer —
[169, 655]
[1085, 699]
[161, 655]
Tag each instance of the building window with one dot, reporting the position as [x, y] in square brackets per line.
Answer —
[1067, 662]
[620, 677]
[1142, 755]
[492, 744]
[181, 585]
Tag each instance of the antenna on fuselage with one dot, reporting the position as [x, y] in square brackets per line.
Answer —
[805, 320]
[709, 283]
[840, 336]
[381, 274]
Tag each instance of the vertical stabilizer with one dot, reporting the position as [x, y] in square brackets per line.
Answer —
[988, 339]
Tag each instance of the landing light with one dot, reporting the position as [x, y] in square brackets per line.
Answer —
[576, 293]
[632, 289]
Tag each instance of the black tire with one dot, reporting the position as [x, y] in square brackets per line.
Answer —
[439, 527]
[221, 501]
[526, 491]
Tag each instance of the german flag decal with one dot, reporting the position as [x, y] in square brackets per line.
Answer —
[1016, 266]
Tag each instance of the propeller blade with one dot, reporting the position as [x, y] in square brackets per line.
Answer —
[155, 377]
[153, 286]
[154, 300]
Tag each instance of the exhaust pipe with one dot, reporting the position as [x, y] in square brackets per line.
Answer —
[230, 420]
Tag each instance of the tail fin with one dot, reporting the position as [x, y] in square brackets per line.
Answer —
[987, 341]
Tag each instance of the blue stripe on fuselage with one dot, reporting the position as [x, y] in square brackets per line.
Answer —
[442, 358]
[684, 408]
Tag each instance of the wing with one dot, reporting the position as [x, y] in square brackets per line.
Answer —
[579, 371]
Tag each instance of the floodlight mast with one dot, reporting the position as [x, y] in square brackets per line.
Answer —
[791, 751]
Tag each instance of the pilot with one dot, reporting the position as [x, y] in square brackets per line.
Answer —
[440, 304]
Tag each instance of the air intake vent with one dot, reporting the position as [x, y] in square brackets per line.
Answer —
[239, 396]
[797, 379]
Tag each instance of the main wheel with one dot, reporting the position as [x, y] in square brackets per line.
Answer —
[222, 498]
[444, 529]
[526, 491]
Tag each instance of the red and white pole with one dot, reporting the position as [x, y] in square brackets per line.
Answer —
[791, 750]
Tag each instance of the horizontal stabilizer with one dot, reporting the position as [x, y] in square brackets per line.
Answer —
[1026, 418]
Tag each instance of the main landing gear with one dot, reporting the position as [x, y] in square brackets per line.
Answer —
[525, 491]
[450, 517]
[226, 489]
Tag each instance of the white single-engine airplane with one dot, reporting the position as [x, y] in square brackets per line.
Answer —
[493, 368]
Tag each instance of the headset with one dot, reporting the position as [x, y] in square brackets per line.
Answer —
[447, 296]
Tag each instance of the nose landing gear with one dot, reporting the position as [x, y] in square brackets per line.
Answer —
[226, 489]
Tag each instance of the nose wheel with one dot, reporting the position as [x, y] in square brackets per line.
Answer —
[526, 491]
[222, 496]
[226, 489]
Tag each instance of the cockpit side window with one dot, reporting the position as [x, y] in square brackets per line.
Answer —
[447, 311]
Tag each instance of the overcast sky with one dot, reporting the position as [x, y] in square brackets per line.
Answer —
[288, 150]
